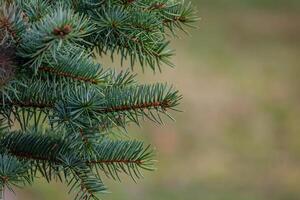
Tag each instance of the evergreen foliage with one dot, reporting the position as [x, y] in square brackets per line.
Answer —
[60, 107]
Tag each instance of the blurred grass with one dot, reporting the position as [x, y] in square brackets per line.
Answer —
[238, 137]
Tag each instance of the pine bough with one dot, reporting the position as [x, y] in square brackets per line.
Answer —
[59, 107]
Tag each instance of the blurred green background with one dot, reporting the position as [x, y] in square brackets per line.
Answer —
[239, 135]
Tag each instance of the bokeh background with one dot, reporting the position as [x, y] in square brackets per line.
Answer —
[239, 135]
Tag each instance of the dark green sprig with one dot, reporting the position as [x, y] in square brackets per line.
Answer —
[75, 65]
[62, 27]
[109, 156]
[33, 10]
[13, 172]
[116, 105]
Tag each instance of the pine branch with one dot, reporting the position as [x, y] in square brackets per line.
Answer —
[116, 105]
[112, 104]
[33, 10]
[82, 180]
[141, 101]
[113, 157]
[115, 33]
[67, 75]
[76, 65]
[63, 105]
[60, 28]
[13, 172]
[109, 156]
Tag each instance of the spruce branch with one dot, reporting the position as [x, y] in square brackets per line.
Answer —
[59, 106]
[60, 28]
[33, 10]
[116, 103]
[13, 172]
[109, 156]
[76, 65]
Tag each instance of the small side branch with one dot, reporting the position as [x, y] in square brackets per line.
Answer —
[67, 75]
